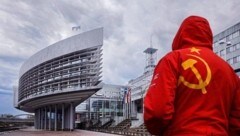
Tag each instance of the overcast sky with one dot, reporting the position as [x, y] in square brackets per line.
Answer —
[29, 26]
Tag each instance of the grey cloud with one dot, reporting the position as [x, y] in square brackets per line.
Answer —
[29, 26]
[6, 93]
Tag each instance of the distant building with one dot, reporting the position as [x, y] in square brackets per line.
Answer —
[139, 86]
[56, 79]
[102, 106]
[227, 45]
[6, 116]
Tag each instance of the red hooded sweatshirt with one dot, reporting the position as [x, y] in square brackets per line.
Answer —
[193, 92]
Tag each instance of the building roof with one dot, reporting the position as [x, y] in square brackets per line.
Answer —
[75, 43]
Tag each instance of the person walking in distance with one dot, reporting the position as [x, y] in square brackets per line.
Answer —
[193, 92]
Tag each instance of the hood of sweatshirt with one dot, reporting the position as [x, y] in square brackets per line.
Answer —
[194, 31]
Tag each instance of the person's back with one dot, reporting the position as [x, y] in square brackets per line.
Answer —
[193, 91]
[207, 109]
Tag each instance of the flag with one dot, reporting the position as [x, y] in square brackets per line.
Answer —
[124, 96]
[129, 95]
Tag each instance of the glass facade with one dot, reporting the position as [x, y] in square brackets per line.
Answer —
[72, 71]
[106, 104]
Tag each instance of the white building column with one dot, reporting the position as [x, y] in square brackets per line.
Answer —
[41, 118]
[50, 118]
[55, 118]
[45, 117]
[35, 119]
[71, 116]
[63, 117]
[38, 121]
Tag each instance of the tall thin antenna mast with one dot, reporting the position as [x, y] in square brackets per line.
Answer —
[150, 57]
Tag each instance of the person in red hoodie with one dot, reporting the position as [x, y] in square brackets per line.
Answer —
[193, 92]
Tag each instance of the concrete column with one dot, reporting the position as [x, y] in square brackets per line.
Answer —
[62, 116]
[55, 118]
[134, 109]
[131, 109]
[66, 117]
[39, 119]
[71, 117]
[97, 109]
[89, 106]
[45, 118]
[127, 110]
[41, 114]
[123, 110]
[35, 119]
[103, 109]
[50, 118]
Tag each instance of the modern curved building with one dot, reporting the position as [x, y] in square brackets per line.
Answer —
[56, 79]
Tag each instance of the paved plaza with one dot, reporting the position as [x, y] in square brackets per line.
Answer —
[33, 132]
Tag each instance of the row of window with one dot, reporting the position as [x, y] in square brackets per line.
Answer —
[222, 53]
[233, 48]
[229, 49]
[234, 60]
[74, 70]
[227, 38]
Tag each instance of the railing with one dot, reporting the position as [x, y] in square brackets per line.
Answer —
[16, 120]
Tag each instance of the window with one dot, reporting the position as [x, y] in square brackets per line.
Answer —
[233, 48]
[237, 46]
[229, 37]
[215, 44]
[230, 61]
[222, 41]
[235, 34]
[236, 59]
[222, 53]
[230, 49]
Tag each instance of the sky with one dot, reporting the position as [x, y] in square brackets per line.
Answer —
[28, 26]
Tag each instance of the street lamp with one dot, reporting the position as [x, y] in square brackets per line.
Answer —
[225, 44]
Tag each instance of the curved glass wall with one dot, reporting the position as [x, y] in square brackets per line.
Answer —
[73, 71]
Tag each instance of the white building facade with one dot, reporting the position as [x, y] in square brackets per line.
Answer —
[59, 77]
[227, 45]
[139, 86]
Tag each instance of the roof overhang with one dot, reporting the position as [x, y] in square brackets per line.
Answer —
[75, 97]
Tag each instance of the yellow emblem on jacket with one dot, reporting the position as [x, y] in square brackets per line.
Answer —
[189, 64]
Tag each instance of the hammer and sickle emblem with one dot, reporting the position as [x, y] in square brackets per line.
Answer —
[189, 64]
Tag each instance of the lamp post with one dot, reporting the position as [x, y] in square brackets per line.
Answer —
[224, 50]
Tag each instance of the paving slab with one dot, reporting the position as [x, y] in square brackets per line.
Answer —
[34, 132]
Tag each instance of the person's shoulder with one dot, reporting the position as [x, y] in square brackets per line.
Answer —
[172, 55]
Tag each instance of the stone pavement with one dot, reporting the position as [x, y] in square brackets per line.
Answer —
[33, 132]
